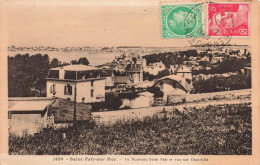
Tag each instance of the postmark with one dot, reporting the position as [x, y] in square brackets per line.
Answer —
[207, 40]
[228, 19]
[181, 21]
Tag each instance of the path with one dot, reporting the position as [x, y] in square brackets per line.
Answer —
[111, 116]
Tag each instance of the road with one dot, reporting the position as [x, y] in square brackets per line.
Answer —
[111, 117]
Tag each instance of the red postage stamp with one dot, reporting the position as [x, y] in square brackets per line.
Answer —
[230, 19]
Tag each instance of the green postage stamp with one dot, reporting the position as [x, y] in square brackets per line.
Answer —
[181, 21]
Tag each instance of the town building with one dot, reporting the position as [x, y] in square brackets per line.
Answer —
[109, 75]
[135, 73]
[173, 84]
[154, 68]
[81, 83]
[121, 82]
[181, 70]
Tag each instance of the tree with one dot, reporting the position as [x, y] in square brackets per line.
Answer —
[26, 75]
[134, 60]
[156, 91]
[216, 84]
[74, 62]
[55, 63]
[163, 73]
[83, 61]
[148, 76]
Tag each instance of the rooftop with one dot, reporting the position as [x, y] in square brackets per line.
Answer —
[28, 105]
[76, 67]
[179, 79]
[182, 69]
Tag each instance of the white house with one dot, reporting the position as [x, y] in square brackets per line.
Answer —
[80, 82]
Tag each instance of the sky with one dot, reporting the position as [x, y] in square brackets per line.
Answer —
[89, 23]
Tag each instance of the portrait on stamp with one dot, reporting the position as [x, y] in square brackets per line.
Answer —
[228, 19]
[180, 21]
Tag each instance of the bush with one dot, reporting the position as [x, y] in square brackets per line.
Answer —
[113, 101]
[212, 130]
[156, 91]
[217, 84]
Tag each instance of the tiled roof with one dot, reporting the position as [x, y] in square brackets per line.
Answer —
[181, 68]
[28, 104]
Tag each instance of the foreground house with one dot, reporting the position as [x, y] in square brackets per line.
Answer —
[80, 82]
[28, 115]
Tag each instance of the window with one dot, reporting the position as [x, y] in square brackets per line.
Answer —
[92, 83]
[83, 99]
[92, 93]
[53, 89]
[70, 75]
[53, 74]
[68, 89]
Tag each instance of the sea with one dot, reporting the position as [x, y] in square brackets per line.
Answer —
[93, 58]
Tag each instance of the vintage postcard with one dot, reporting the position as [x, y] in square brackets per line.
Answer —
[129, 82]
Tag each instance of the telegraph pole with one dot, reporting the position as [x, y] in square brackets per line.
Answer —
[75, 106]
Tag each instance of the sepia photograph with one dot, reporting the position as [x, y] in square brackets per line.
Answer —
[129, 82]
